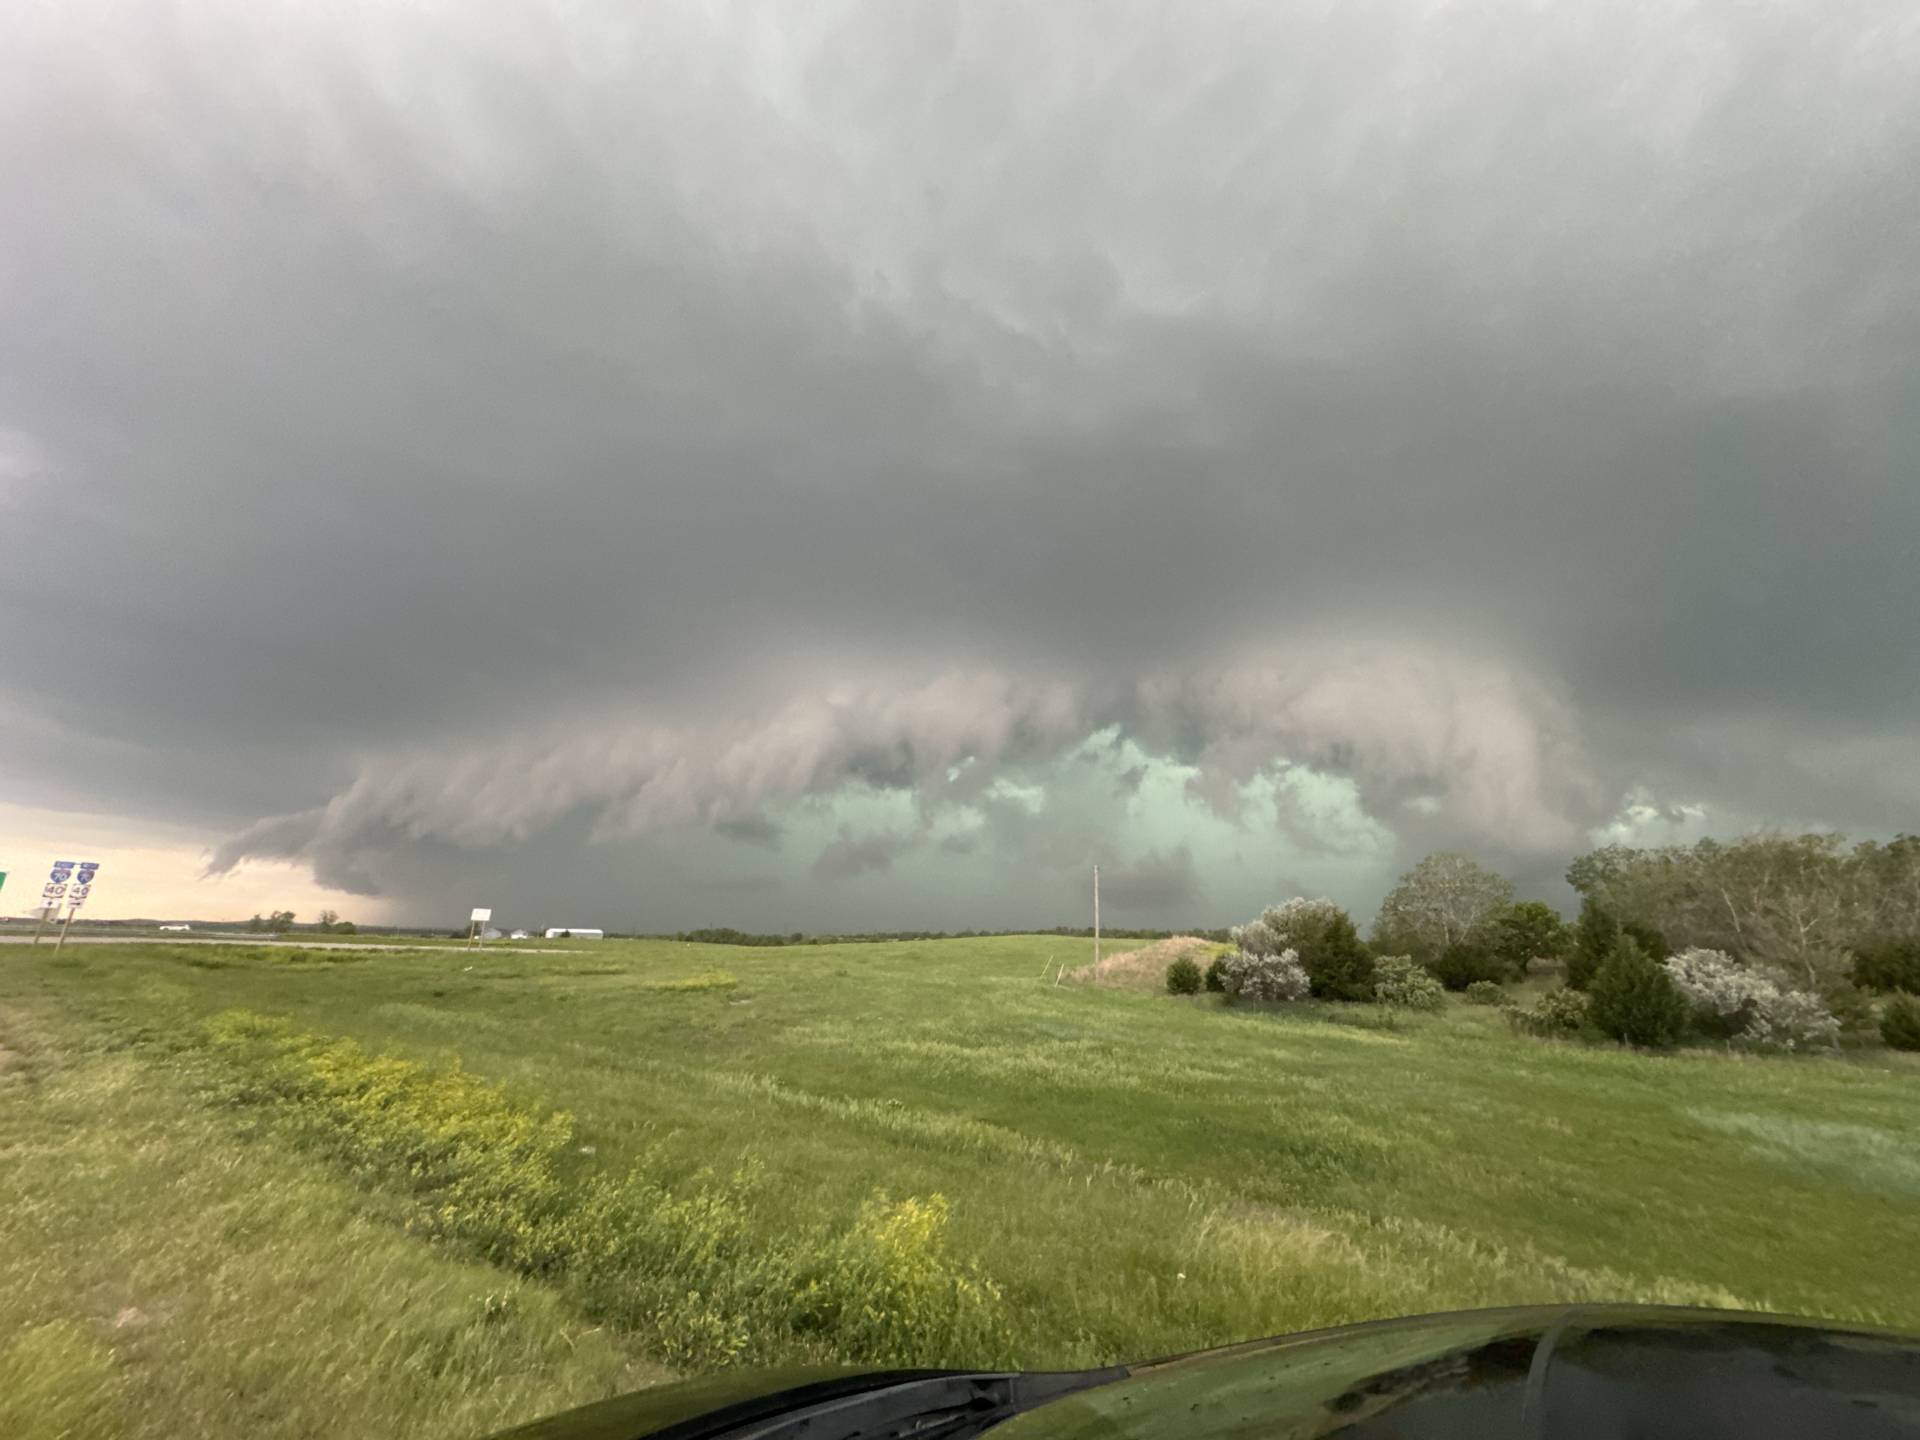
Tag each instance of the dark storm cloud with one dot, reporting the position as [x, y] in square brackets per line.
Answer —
[1155, 884]
[751, 830]
[851, 856]
[445, 430]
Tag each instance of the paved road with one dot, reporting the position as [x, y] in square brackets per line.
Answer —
[495, 948]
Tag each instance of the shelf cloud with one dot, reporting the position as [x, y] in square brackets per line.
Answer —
[860, 464]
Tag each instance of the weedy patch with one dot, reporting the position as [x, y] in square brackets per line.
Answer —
[711, 980]
[692, 1268]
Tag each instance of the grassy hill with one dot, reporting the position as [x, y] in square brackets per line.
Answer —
[916, 1152]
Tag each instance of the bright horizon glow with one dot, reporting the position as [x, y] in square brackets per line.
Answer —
[155, 871]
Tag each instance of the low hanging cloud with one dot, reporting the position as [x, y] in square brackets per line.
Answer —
[1483, 753]
[850, 857]
[1159, 883]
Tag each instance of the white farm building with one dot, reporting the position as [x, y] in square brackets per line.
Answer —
[577, 932]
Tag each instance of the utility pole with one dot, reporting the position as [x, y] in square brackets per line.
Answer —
[1096, 915]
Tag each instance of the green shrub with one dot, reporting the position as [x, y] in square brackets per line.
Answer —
[1900, 1022]
[1321, 936]
[1216, 978]
[1339, 966]
[1464, 962]
[1486, 992]
[1594, 935]
[1647, 938]
[1634, 1000]
[1888, 965]
[1556, 1015]
[1183, 977]
[1400, 983]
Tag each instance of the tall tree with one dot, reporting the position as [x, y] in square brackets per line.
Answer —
[1445, 899]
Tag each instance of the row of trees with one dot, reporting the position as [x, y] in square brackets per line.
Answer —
[727, 935]
[1812, 906]
[281, 921]
[1825, 913]
[1769, 939]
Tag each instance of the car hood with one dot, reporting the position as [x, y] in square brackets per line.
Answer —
[1597, 1372]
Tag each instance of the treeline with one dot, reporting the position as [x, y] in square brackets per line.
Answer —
[1828, 912]
[727, 935]
[1775, 941]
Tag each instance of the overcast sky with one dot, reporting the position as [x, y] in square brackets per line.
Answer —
[859, 465]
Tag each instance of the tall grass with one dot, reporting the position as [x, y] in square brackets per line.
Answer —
[161, 1278]
[315, 1199]
[685, 1268]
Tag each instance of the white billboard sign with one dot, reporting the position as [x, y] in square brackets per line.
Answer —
[481, 915]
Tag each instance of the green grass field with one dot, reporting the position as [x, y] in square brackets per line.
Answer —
[218, 1227]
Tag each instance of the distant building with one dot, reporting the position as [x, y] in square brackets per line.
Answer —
[518, 935]
[492, 934]
[176, 927]
[577, 932]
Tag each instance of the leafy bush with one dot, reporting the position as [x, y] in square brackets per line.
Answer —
[1557, 1014]
[1464, 962]
[1887, 965]
[1321, 935]
[1634, 1000]
[1183, 977]
[1900, 1022]
[1266, 977]
[1523, 933]
[1339, 966]
[1486, 992]
[1797, 1020]
[1216, 978]
[1724, 994]
[1735, 1002]
[1399, 983]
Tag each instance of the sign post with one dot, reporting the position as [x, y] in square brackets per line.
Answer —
[52, 894]
[77, 894]
[481, 916]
